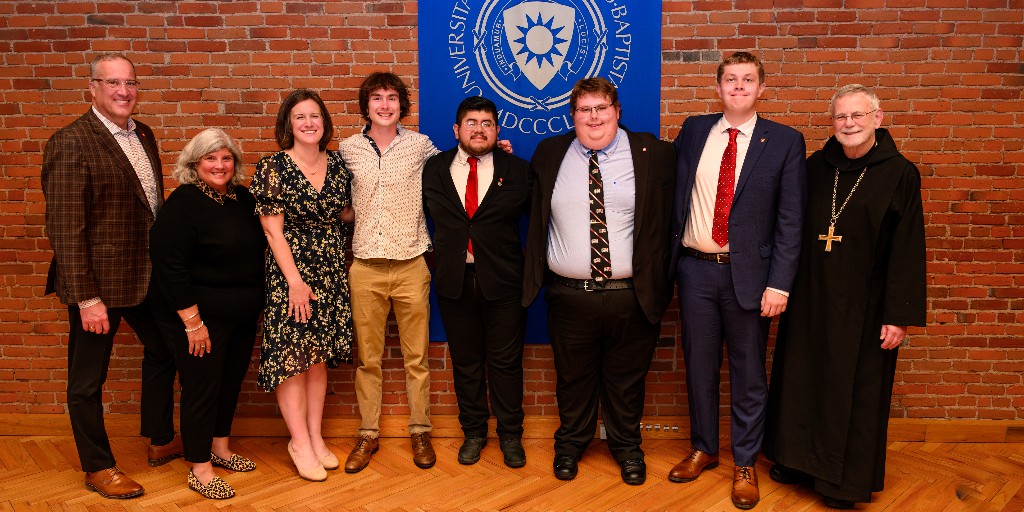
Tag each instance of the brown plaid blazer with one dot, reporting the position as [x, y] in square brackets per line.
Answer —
[97, 214]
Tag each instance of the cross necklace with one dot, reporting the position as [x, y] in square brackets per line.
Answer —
[831, 236]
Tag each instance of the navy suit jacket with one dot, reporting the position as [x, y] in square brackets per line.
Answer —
[494, 228]
[652, 164]
[767, 209]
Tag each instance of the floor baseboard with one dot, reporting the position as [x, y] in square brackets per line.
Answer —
[536, 427]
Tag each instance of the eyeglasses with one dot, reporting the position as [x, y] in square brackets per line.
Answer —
[473, 123]
[115, 83]
[856, 116]
[597, 109]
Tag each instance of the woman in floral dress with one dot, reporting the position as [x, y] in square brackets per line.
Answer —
[302, 198]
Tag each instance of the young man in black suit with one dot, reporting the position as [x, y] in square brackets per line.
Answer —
[476, 197]
[599, 236]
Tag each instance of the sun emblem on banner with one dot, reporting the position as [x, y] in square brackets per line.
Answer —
[539, 42]
[551, 43]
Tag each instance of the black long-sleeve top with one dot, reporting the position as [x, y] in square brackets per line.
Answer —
[208, 249]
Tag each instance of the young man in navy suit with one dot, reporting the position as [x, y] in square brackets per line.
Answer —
[477, 197]
[739, 206]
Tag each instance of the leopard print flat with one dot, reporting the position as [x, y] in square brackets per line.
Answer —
[217, 489]
[236, 463]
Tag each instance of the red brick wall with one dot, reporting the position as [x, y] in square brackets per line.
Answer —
[950, 73]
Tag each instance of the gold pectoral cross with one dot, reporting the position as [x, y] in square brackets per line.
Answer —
[830, 237]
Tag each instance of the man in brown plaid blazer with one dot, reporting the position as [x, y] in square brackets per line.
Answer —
[103, 186]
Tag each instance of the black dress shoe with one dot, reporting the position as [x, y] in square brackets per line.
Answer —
[565, 467]
[514, 454]
[634, 471]
[784, 475]
[838, 503]
[469, 453]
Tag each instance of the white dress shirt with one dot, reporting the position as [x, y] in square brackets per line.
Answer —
[460, 176]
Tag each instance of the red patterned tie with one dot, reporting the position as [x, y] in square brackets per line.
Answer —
[726, 186]
[471, 192]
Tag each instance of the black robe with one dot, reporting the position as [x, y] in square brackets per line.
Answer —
[831, 382]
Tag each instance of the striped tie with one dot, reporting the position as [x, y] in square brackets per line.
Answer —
[600, 262]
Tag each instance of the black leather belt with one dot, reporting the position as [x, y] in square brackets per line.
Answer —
[721, 258]
[592, 286]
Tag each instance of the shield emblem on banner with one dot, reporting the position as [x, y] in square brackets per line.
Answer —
[539, 35]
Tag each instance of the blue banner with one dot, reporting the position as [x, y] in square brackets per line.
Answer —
[526, 56]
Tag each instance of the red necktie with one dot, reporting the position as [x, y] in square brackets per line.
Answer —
[471, 192]
[726, 186]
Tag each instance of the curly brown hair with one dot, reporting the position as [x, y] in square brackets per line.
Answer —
[389, 82]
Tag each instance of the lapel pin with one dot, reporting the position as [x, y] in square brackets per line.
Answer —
[645, 149]
[762, 140]
[500, 181]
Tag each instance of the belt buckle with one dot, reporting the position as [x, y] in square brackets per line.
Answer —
[718, 257]
[586, 285]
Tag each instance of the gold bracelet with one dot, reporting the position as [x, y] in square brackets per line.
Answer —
[194, 329]
[191, 317]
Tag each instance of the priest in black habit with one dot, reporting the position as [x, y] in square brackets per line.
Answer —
[860, 284]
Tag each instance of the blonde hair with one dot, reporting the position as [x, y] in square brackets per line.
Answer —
[741, 58]
[206, 142]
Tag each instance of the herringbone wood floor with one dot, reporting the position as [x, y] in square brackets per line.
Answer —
[40, 473]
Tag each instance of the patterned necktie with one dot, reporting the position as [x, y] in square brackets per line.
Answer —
[600, 262]
[471, 192]
[726, 187]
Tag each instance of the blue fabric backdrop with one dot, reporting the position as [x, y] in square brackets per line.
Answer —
[526, 56]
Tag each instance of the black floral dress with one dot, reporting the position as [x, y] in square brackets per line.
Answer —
[314, 232]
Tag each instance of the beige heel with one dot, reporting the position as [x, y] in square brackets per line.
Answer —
[313, 474]
[330, 461]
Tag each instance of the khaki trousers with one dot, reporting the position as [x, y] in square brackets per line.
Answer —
[377, 286]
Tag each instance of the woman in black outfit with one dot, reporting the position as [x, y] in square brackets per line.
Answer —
[207, 248]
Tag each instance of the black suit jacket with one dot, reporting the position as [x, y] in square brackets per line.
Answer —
[494, 228]
[654, 162]
[97, 214]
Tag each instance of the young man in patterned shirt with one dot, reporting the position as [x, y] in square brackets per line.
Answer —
[389, 272]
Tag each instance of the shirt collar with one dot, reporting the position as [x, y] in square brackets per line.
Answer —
[373, 143]
[366, 130]
[462, 156]
[213, 194]
[747, 128]
[607, 150]
[114, 128]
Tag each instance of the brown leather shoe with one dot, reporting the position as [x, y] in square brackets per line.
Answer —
[360, 456]
[422, 451]
[689, 468]
[112, 483]
[160, 455]
[744, 487]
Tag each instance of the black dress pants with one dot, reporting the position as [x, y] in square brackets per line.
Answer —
[88, 358]
[603, 346]
[210, 384]
[485, 340]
